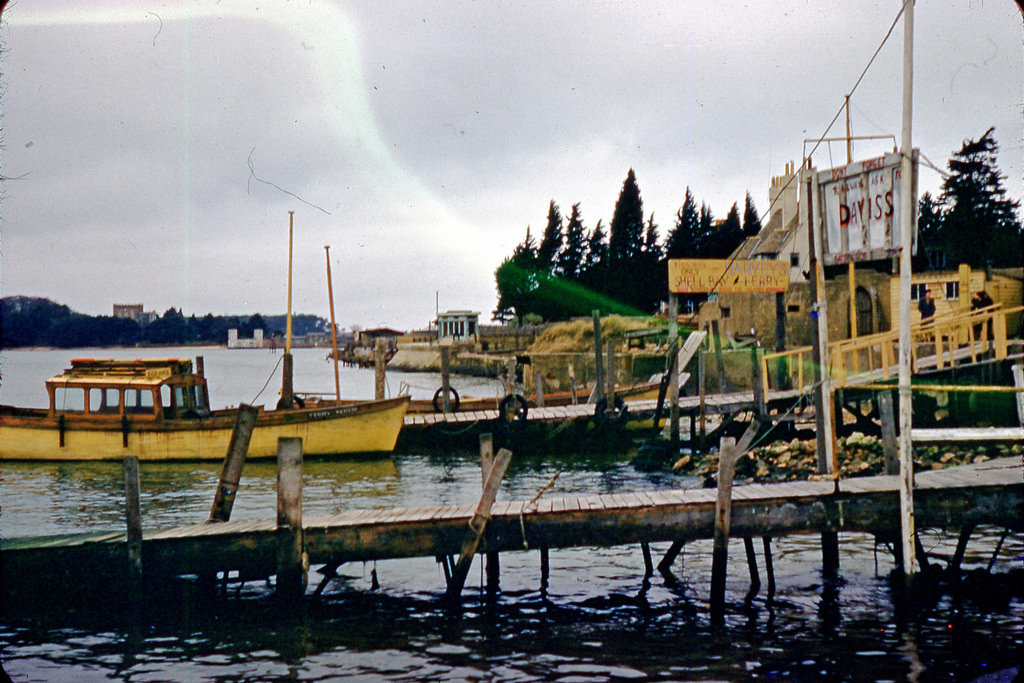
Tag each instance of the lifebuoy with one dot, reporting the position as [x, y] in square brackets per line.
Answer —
[512, 412]
[453, 400]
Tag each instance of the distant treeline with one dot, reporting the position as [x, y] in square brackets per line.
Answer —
[29, 321]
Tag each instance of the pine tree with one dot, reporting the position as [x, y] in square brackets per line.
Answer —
[929, 231]
[705, 232]
[751, 222]
[726, 236]
[571, 259]
[979, 223]
[551, 242]
[683, 239]
[627, 227]
[516, 281]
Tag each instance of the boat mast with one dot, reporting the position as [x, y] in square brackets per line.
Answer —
[287, 392]
[334, 328]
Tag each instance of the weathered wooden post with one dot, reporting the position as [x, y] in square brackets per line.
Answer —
[782, 372]
[291, 565]
[723, 512]
[133, 520]
[486, 463]
[889, 446]
[231, 472]
[478, 524]
[757, 382]
[673, 371]
[538, 385]
[598, 359]
[572, 383]
[446, 378]
[716, 338]
[702, 381]
[610, 375]
[379, 372]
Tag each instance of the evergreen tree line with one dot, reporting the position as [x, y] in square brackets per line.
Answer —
[623, 269]
[29, 321]
[573, 271]
[972, 221]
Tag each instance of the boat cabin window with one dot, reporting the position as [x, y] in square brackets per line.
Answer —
[138, 401]
[69, 399]
[104, 400]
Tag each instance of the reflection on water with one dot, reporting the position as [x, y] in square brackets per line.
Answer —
[596, 618]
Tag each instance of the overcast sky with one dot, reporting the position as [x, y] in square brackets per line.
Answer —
[152, 154]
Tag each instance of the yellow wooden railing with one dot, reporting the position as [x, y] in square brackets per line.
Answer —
[874, 356]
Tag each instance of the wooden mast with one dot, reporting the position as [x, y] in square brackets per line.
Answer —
[287, 392]
[334, 328]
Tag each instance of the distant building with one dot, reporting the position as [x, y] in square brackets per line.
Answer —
[134, 312]
[256, 342]
[458, 325]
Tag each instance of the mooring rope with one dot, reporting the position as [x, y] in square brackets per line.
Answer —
[533, 502]
[281, 358]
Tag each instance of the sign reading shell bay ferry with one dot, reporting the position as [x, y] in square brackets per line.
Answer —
[691, 276]
[861, 209]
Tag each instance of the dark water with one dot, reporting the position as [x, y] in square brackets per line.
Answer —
[596, 619]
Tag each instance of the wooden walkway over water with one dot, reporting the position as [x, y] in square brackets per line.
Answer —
[986, 493]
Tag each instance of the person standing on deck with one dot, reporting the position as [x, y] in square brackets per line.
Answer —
[926, 305]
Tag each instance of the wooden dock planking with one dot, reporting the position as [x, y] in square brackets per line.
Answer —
[985, 493]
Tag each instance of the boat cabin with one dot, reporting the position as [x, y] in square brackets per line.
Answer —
[156, 388]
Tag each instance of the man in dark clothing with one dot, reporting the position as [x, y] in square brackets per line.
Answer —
[981, 300]
[926, 305]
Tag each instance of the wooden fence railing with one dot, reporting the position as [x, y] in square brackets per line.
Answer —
[874, 356]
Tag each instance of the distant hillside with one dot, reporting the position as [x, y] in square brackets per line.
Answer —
[32, 321]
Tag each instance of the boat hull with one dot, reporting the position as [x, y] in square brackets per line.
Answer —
[366, 427]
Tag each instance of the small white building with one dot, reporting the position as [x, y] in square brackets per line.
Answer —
[458, 325]
[255, 343]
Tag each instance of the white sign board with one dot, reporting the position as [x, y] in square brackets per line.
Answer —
[861, 209]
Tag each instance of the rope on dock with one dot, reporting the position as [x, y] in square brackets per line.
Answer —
[532, 503]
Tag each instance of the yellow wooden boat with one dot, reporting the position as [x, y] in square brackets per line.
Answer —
[158, 409]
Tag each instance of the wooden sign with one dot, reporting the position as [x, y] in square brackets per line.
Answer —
[691, 276]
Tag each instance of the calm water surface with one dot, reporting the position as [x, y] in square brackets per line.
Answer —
[596, 619]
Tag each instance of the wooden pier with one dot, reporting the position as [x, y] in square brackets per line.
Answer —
[989, 493]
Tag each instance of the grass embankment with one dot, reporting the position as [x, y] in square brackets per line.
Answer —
[577, 336]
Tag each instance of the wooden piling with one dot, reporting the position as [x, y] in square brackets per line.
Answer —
[716, 338]
[645, 548]
[723, 509]
[673, 371]
[598, 359]
[446, 378]
[830, 556]
[665, 566]
[291, 573]
[890, 448]
[379, 372]
[486, 463]
[133, 521]
[572, 383]
[769, 565]
[755, 577]
[757, 382]
[610, 376]
[538, 386]
[478, 524]
[234, 461]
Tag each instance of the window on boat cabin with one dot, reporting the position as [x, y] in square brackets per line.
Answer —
[69, 399]
[104, 400]
[138, 401]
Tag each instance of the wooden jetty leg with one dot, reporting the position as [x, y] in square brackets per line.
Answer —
[133, 519]
[648, 563]
[545, 569]
[961, 548]
[755, 577]
[665, 566]
[716, 338]
[493, 566]
[231, 472]
[769, 566]
[889, 445]
[538, 388]
[830, 556]
[291, 574]
[329, 571]
[723, 511]
[995, 553]
[478, 524]
[702, 380]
